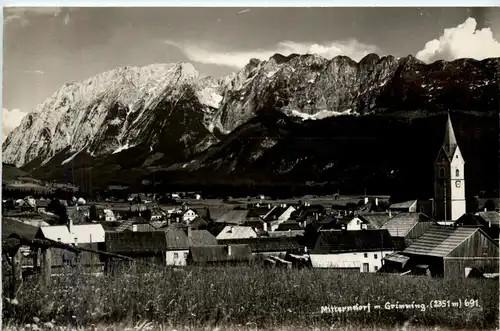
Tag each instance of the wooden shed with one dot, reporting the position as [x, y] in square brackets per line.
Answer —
[449, 251]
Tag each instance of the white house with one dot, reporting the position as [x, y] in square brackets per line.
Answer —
[283, 217]
[189, 215]
[353, 223]
[359, 250]
[109, 216]
[73, 234]
[236, 232]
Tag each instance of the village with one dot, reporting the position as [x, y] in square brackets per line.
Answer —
[367, 233]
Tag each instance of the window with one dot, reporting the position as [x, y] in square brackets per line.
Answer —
[366, 255]
[375, 256]
[441, 173]
[375, 268]
[422, 209]
[457, 173]
[386, 254]
[185, 255]
[357, 222]
[176, 256]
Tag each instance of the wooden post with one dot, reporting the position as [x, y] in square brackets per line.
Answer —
[46, 267]
[17, 273]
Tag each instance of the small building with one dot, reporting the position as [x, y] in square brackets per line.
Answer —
[488, 221]
[109, 216]
[220, 255]
[404, 207]
[350, 223]
[406, 227]
[188, 215]
[359, 250]
[236, 232]
[448, 251]
[267, 245]
[375, 220]
[41, 205]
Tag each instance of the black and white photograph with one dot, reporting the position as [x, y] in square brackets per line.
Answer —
[250, 168]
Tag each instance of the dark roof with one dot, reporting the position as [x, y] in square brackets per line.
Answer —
[42, 203]
[176, 239]
[219, 253]
[290, 233]
[352, 241]
[141, 227]
[198, 222]
[403, 205]
[136, 242]
[470, 220]
[401, 224]
[202, 238]
[12, 227]
[274, 213]
[266, 244]
[346, 219]
[439, 240]
[376, 220]
[490, 216]
[289, 225]
[397, 257]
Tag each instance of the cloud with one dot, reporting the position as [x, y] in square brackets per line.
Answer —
[23, 14]
[35, 72]
[243, 11]
[462, 41]
[10, 120]
[238, 59]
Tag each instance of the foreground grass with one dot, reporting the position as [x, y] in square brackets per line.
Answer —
[239, 297]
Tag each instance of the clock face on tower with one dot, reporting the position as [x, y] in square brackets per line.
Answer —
[457, 183]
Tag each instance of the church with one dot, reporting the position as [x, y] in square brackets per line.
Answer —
[449, 179]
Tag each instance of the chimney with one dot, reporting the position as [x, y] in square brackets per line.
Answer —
[229, 250]
[134, 228]
[485, 209]
[366, 200]
[317, 216]
[265, 226]
[390, 213]
[268, 206]
[76, 241]
[70, 225]
[376, 201]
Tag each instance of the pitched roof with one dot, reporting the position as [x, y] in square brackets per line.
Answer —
[401, 224]
[490, 216]
[376, 220]
[202, 238]
[236, 232]
[289, 225]
[289, 233]
[403, 205]
[84, 233]
[136, 242]
[397, 257]
[439, 240]
[449, 141]
[13, 227]
[176, 239]
[266, 244]
[219, 253]
[352, 241]
[233, 217]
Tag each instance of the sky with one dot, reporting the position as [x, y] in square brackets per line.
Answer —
[46, 47]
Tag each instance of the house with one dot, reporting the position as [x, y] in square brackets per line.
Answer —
[236, 232]
[404, 207]
[349, 223]
[188, 215]
[73, 234]
[201, 238]
[290, 225]
[109, 216]
[375, 220]
[159, 247]
[278, 215]
[406, 227]
[198, 223]
[488, 221]
[233, 217]
[77, 216]
[220, 255]
[289, 233]
[450, 251]
[41, 205]
[267, 245]
[357, 250]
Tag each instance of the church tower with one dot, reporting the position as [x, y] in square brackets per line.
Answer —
[449, 180]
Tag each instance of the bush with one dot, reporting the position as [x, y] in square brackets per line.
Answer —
[200, 296]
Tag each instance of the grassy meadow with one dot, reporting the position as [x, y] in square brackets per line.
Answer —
[233, 298]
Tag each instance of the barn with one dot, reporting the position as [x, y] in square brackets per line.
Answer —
[452, 251]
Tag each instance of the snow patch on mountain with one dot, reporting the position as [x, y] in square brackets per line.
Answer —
[319, 115]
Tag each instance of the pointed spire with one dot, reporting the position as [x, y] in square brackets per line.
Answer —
[450, 141]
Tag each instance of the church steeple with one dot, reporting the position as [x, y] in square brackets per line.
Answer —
[450, 141]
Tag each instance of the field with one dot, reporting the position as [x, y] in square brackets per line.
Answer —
[251, 298]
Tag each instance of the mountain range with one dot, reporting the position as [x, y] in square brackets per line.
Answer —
[295, 120]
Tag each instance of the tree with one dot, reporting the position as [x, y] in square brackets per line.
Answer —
[56, 207]
[489, 205]
[93, 213]
[147, 214]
